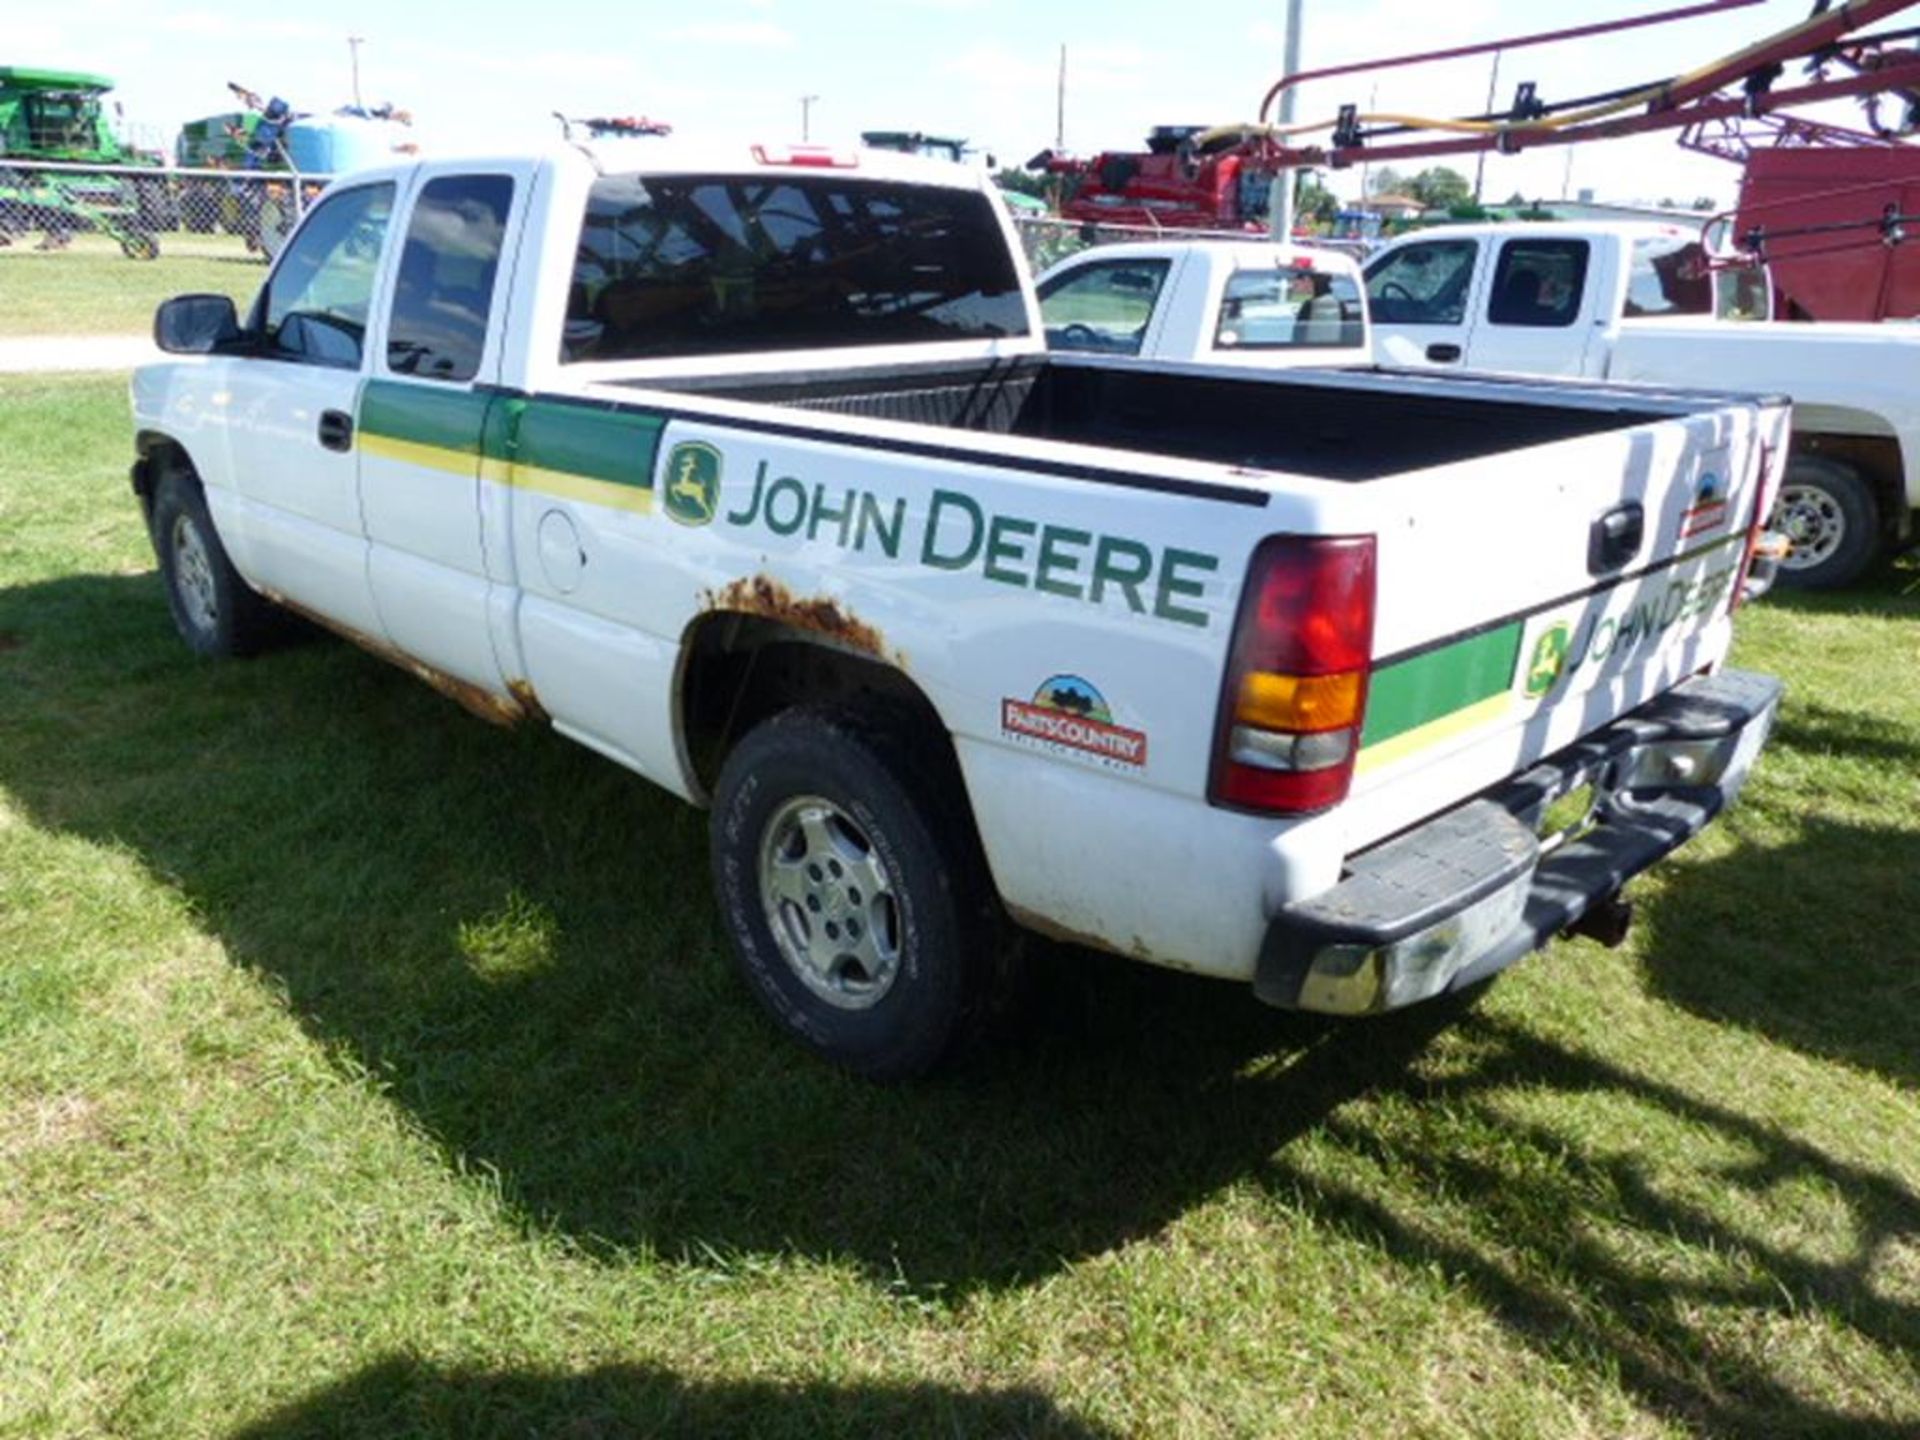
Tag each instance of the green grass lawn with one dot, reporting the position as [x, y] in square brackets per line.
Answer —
[92, 289]
[368, 1071]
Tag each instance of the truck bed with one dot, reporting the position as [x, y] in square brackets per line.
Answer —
[1344, 425]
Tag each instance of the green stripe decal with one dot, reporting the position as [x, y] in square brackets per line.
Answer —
[448, 419]
[615, 446]
[612, 447]
[1423, 688]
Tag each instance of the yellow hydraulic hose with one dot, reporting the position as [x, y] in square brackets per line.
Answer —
[1644, 95]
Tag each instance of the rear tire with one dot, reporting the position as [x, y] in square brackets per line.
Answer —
[1829, 513]
[853, 891]
[214, 610]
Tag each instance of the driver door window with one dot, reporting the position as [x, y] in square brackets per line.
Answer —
[315, 308]
[1103, 308]
[1424, 284]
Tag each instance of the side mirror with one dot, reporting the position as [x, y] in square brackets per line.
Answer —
[195, 324]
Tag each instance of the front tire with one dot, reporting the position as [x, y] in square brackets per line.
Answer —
[851, 889]
[212, 607]
[1829, 514]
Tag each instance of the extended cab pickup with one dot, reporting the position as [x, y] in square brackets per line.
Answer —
[750, 471]
[1636, 301]
[1225, 302]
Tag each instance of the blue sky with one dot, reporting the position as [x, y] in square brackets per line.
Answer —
[484, 73]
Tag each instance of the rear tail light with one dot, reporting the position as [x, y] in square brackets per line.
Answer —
[1296, 683]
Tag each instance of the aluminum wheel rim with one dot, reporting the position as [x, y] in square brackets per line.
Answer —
[1813, 522]
[831, 903]
[193, 574]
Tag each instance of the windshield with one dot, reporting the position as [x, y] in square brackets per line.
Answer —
[702, 265]
[58, 119]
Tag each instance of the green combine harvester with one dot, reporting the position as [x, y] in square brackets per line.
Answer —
[58, 116]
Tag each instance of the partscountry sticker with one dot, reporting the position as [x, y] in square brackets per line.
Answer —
[1709, 508]
[1070, 713]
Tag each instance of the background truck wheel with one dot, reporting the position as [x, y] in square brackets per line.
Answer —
[158, 205]
[213, 608]
[852, 892]
[1828, 511]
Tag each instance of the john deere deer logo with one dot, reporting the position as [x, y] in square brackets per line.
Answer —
[693, 483]
[1549, 659]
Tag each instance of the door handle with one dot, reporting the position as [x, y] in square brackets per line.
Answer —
[1443, 353]
[1615, 538]
[336, 430]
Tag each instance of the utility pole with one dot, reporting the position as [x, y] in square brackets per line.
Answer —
[1060, 103]
[1366, 182]
[1480, 160]
[806, 117]
[354, 42]
[1280, 192]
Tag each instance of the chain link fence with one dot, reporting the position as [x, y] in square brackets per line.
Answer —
[146, 211]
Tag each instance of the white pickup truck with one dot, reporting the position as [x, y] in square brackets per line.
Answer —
[1225, 302]
[749, 470]
[1636, 301]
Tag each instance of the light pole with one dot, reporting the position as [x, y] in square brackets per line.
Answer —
[1280, 193]
[806, 114]
[354, 42]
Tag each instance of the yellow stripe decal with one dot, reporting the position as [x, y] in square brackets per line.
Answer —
[584, 488]
[559, 483]
[1373, 757]
[412, 452]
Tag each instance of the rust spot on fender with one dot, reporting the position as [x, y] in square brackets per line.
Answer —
[1138, 949]
[1066, 934]
[764, 596]
[495, 709]
[524, 696]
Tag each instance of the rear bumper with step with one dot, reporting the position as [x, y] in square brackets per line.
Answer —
[1469, 892]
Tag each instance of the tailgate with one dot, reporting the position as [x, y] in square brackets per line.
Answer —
[1528, 598]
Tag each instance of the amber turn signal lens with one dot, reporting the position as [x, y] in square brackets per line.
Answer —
[1298, 703]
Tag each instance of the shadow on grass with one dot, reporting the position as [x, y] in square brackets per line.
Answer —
[516, 939]
[1562, 1243]
[1815, 944]
[1891, 589]
[408, 1397]
[1822, 730]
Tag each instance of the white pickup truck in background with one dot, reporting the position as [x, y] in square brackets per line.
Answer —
[1635, 301]
[748, 469]
[1221, 302]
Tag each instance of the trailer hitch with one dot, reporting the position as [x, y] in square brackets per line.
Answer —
[1606, 920]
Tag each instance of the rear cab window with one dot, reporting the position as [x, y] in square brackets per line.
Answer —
[1538, 283]
[1298, 308]
[443, 290]
[679, 265]
[315, 306]
[1102, 306]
